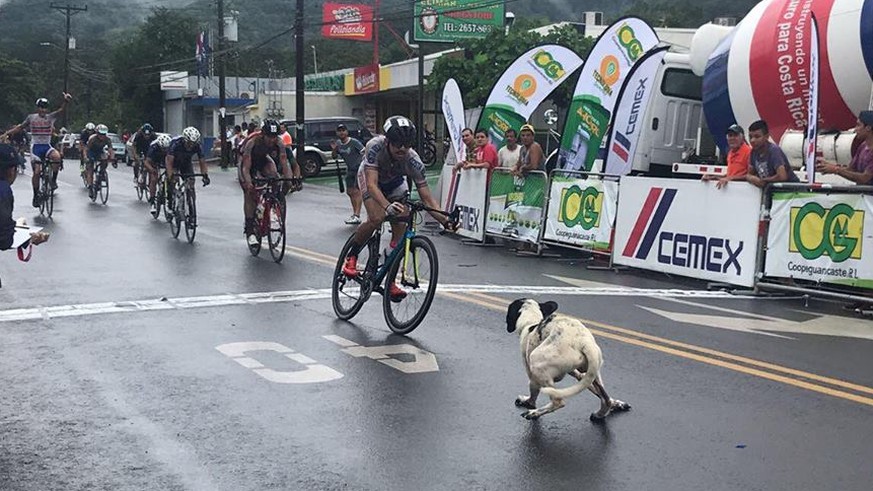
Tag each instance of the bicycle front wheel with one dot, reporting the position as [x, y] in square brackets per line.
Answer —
[190, 216]
[140, 187]
[177, 215]
[276, 234]
[49, 201]
[348, 294]
[413, 275]
[104, 187]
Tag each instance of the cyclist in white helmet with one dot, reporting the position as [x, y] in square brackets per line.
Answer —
[154, 160]
[180, 157]
[98, 151]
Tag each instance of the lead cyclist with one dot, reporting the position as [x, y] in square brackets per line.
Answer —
[388, 160]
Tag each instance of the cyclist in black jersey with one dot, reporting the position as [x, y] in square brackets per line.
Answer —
[140, 142]
[263, 155]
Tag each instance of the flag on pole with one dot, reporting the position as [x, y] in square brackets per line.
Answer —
[201, 54]
[812, 107]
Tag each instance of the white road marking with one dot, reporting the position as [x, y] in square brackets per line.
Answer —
[88, 309]
[313, 373]
[422, 362]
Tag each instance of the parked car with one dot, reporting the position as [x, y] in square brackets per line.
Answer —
[70, 146]
[320, 132]
[118, 147]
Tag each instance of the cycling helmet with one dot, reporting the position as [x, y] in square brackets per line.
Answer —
[163, 141]
[102, 129]
[90, 126]
[147, 129]
[191, 134]
[400, 131]
[42, 102]
[270, 127]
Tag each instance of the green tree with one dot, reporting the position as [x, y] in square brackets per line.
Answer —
[17, 90]
[164, 42]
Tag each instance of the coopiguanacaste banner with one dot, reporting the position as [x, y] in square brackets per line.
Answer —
[820, 237]
[524, 86]
[607, 66]
[516, 205]
[627, 126]
[581, 212]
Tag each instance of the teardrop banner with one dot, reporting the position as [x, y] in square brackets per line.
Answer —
[524, 86]
[596, 94]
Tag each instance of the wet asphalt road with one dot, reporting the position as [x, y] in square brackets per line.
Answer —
[160, 395]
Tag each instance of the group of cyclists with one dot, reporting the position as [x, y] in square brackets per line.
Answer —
[388, 161]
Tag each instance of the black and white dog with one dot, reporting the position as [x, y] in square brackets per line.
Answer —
[552, 346]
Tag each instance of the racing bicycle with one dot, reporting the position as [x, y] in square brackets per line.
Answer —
[185, 207]
[46, 193]
[101, 181]
[271, 213]
[412, 264]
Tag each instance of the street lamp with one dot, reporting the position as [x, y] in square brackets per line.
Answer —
[315, 59]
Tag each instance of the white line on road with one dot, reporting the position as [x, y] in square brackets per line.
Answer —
[89, 309]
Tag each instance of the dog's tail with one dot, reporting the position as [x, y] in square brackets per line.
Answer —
[595, 361]
[581, 385]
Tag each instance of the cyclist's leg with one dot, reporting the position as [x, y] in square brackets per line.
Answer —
[151, 178]
[37, 156]
[250, 203]
[56, 160]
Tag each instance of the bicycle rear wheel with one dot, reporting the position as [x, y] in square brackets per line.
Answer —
[415, 274]
[276, 234]
[43, 192]
[178, 214]
[190, 216]
[140, 188]
[104, 187]
[348, 295]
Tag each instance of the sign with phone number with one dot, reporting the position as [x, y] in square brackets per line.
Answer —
[448, 21]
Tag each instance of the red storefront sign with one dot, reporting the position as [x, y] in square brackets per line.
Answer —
[353, 22]
[367, 79]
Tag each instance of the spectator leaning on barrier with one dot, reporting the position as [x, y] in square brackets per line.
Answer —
[507, 156]
[737, 158]
[860, 170]
[469, 149]
[767, 163]
[485, 156]
[531, 156]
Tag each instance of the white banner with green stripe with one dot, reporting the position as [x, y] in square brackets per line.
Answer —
[825, 238]
[581, 212]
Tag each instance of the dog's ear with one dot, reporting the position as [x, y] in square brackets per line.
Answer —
[512, 314]
[548, 308]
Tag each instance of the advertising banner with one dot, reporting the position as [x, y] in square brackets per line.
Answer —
[352, 22]
[524, 86]
[820, 237]
[688, 228]
[632, 103]
[367, 79]
[453, 113]
[608, 64]
[516, 205]
[174, 80]
[581, 212]
[812, 106]
[471, 197]
[441, 21]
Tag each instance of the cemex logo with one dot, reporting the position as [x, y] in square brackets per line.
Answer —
[684, 250]
[469, 218]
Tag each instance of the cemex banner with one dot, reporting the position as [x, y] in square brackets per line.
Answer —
[688, 228]
[523, 87]
[581, 212]
[516, 205]
[823, 238]
[628, 123]
[471, 197]
[596, 94]
[353, 22]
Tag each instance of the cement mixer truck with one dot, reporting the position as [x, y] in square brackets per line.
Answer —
[759, 70]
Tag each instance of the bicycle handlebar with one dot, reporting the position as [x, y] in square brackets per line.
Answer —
[270, 180]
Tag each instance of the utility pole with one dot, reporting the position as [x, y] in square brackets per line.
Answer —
[300, 85]
[222, 110]
[69, 11]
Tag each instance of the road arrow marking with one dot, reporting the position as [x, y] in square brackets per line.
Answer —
[422, 362]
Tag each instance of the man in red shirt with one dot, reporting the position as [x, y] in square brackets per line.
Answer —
[486, 154]
[737, 158]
